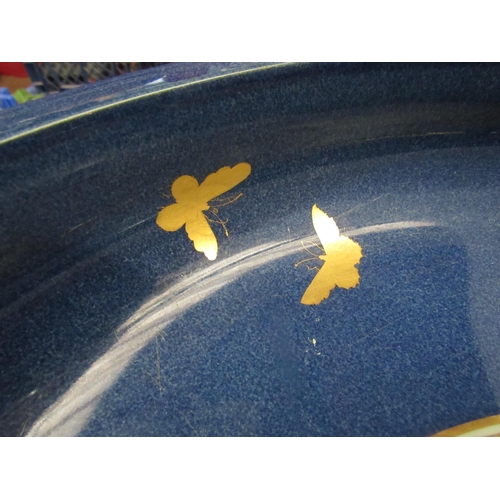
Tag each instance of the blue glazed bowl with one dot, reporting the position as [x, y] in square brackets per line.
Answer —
[113, 326]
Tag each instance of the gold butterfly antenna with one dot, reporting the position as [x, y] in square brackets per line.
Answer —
[192, 199]
[314, 256]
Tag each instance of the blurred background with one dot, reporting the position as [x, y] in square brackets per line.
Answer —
[23, 82]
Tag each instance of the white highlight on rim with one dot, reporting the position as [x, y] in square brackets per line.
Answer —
[135, 98]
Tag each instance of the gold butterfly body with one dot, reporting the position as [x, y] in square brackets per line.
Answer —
[192, 200]
[341, 256]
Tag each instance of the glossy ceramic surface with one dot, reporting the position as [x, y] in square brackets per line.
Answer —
[112, 326]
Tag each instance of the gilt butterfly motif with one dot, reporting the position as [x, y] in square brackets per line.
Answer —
[340, 259]
[192, 200]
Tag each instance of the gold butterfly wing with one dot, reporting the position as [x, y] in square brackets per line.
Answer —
[325, 227]
[189, 211]
[338, 270]
[172, 218]
[344, 254]
[223, 180]
[197, 227]
[320, 286]
[200, 233]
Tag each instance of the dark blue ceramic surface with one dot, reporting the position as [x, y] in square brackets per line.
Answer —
[111, 326]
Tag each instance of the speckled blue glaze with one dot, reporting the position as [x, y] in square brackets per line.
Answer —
[111, 326]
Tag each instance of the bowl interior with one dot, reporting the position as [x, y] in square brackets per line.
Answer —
[113, 326]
